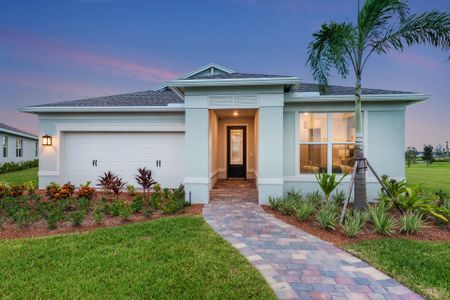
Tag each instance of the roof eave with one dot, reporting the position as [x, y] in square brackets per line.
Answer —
[12, 132]
[62, 109]
[290, 81]
[306, 97]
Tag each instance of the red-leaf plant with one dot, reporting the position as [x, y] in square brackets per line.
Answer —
[117, 185]
[144, 179]
[106, 179]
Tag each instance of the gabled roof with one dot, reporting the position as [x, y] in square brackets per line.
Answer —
[145, 98]
[12, 130]
[236, 75]
[343, 90]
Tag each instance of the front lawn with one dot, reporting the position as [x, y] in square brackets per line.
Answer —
[431, 178]
[423, 266]
[19, 177]
[171, 258]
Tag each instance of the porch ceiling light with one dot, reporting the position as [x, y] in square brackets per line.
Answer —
[46, 140]
[235, 113]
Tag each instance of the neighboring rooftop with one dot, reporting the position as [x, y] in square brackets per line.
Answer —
[13, 130]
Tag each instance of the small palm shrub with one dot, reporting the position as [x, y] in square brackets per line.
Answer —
[411, 223]
[304, 210]
[274, 202]
[327, 216]
[382, 222]
[328, 183]
[77, 217]
[354, 223]
[98, 214]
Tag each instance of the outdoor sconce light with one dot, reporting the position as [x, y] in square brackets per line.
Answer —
[46, 140]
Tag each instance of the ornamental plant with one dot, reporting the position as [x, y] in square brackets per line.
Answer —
[145, 180]
[86, 191]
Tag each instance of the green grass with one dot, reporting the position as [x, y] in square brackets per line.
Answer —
[171, 258]
[432, 178]
[19, 177]
[423, 266]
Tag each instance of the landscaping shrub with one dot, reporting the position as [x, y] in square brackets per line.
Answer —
[30, 187]
[156, 198]
[179, 193]
[172, 203]
[86, 191]
[137, 204]
[339, 197]
[16, 190]
[304, 209]
[147, 211]
[83, 204]
[5, 188]
[411, 223]
[286, 206]
[131, 190]
[53, 215]
[144, 179]
[315, 197]
[382, 222]
[13, 166]
[354, 223]
[125, 211]
[274, 202]
[327, 216]
[328, 183]
[117, 185]
[77, 217]
[98, 214]
[55, 192]
[22, 218]
[106, 180]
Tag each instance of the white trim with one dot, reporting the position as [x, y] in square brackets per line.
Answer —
[48, 173]
[196, 71]
[115, 127]
[12, 132]
[196, 180]
[300, 97]
[225, 144]
[268, 180]
[38, 109]
[234, 82]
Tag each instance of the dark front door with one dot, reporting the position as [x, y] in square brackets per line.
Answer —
[236, 152]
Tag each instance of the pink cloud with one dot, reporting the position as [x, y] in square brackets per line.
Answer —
[414, 58]
[37, 48]
[54, 85]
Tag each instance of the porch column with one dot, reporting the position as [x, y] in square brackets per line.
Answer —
[197, 149]
[270, 147]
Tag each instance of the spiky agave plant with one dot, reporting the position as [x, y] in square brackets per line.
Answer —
[382, 25]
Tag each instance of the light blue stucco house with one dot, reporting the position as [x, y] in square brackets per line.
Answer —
[17, 145]
[216, 123]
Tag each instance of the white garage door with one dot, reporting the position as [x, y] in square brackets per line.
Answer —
[88, 155]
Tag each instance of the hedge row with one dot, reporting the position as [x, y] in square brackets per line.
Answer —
[12, 166]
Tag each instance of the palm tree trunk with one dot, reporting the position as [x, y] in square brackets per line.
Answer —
[360, 175]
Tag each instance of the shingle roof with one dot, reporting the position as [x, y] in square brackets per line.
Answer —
[343, 90]
[236, 75]
[145, 98]
[16, 130]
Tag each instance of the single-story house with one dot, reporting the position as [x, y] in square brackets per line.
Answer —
[215, 123]
[17, 145]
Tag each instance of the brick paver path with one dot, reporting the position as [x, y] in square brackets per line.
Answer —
[296, 264]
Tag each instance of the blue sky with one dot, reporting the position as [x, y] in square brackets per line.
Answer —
[71, 49]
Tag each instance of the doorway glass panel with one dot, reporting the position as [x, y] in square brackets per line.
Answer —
[237, 146]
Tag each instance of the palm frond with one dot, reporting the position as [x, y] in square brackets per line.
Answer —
[432, 28]
[376, 15]
[331, 48]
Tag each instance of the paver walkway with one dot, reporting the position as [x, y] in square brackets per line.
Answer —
[296, 264]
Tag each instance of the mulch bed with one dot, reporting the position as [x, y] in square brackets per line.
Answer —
[430, 232]
[11, 231]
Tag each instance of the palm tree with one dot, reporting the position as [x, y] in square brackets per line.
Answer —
[382, 25]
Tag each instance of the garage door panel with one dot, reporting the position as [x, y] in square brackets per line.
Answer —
[123, 154]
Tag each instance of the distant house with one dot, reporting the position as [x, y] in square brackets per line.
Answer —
[17, 145]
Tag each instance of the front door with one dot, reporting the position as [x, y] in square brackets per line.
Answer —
[236, 152]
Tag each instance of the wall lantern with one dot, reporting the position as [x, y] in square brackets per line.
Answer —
[46, 140]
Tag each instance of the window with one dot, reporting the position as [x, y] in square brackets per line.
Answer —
[327, 142]
[19, 147]
[5, 146]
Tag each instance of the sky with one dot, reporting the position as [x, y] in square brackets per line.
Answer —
[72, 49]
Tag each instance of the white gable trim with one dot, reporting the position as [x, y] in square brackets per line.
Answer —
[211, 66]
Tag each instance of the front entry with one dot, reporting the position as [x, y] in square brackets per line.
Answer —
[236, 152]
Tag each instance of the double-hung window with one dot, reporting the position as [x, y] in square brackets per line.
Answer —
[5, 146]
[19, 147]
[327, 142]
